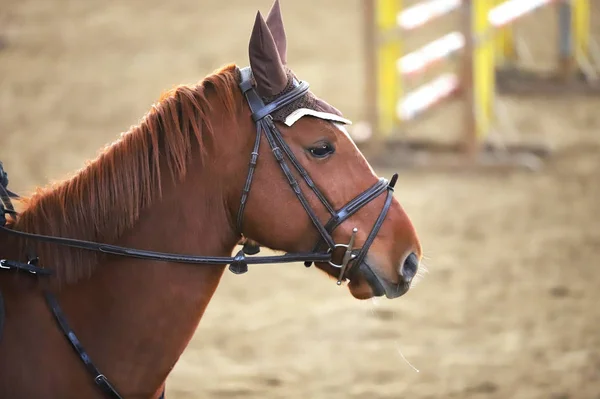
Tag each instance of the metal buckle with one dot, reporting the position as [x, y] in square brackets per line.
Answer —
[348, 256]
[33, 262]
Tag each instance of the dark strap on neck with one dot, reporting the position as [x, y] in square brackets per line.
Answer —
[25, 267]
[99, 378]
[2, 315]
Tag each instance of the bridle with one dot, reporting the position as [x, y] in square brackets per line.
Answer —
[261, 115]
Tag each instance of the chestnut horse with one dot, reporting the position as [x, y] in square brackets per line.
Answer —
[93, 309]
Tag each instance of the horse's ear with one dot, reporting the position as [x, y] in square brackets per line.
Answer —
[267, 68]
[275, 24]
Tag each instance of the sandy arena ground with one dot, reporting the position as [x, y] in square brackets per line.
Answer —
[509, 308]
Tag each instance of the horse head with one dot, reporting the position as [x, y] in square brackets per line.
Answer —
[346, 200]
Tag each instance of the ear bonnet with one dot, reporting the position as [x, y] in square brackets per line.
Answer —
[268, 60]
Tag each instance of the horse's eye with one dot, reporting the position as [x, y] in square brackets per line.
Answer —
[322, 150]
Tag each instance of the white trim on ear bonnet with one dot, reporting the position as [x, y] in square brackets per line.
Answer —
[300, 112]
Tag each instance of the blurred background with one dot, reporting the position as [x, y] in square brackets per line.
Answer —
[509, 306]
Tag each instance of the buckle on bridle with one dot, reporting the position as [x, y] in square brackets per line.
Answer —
[348, 256]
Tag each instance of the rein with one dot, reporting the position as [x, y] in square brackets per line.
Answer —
[235, 262]
[238, 264]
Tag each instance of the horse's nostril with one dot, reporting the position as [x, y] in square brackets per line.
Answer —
[409, 267]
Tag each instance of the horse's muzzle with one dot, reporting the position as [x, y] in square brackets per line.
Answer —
[381, 286]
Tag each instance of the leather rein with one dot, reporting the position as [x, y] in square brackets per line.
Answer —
[238, 264]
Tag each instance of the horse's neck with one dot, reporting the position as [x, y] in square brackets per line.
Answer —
[137, 316]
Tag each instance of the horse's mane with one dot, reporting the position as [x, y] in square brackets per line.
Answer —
[105, 198]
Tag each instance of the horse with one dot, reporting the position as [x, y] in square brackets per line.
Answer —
[100, 275]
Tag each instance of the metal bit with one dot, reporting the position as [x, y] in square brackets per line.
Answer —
[348, 256]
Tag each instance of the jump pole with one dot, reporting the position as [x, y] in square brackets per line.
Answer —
[483, 22]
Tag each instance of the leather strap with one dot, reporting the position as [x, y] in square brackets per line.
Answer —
[264, 125]
[257, 106]
[169, 257]
[269, 135]
[309, 182]
[371, 237]
[376, 227]
[2, 315]
[247, 185]
[356, 204]
[99, 378]
[26, 267]
[351, 208]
